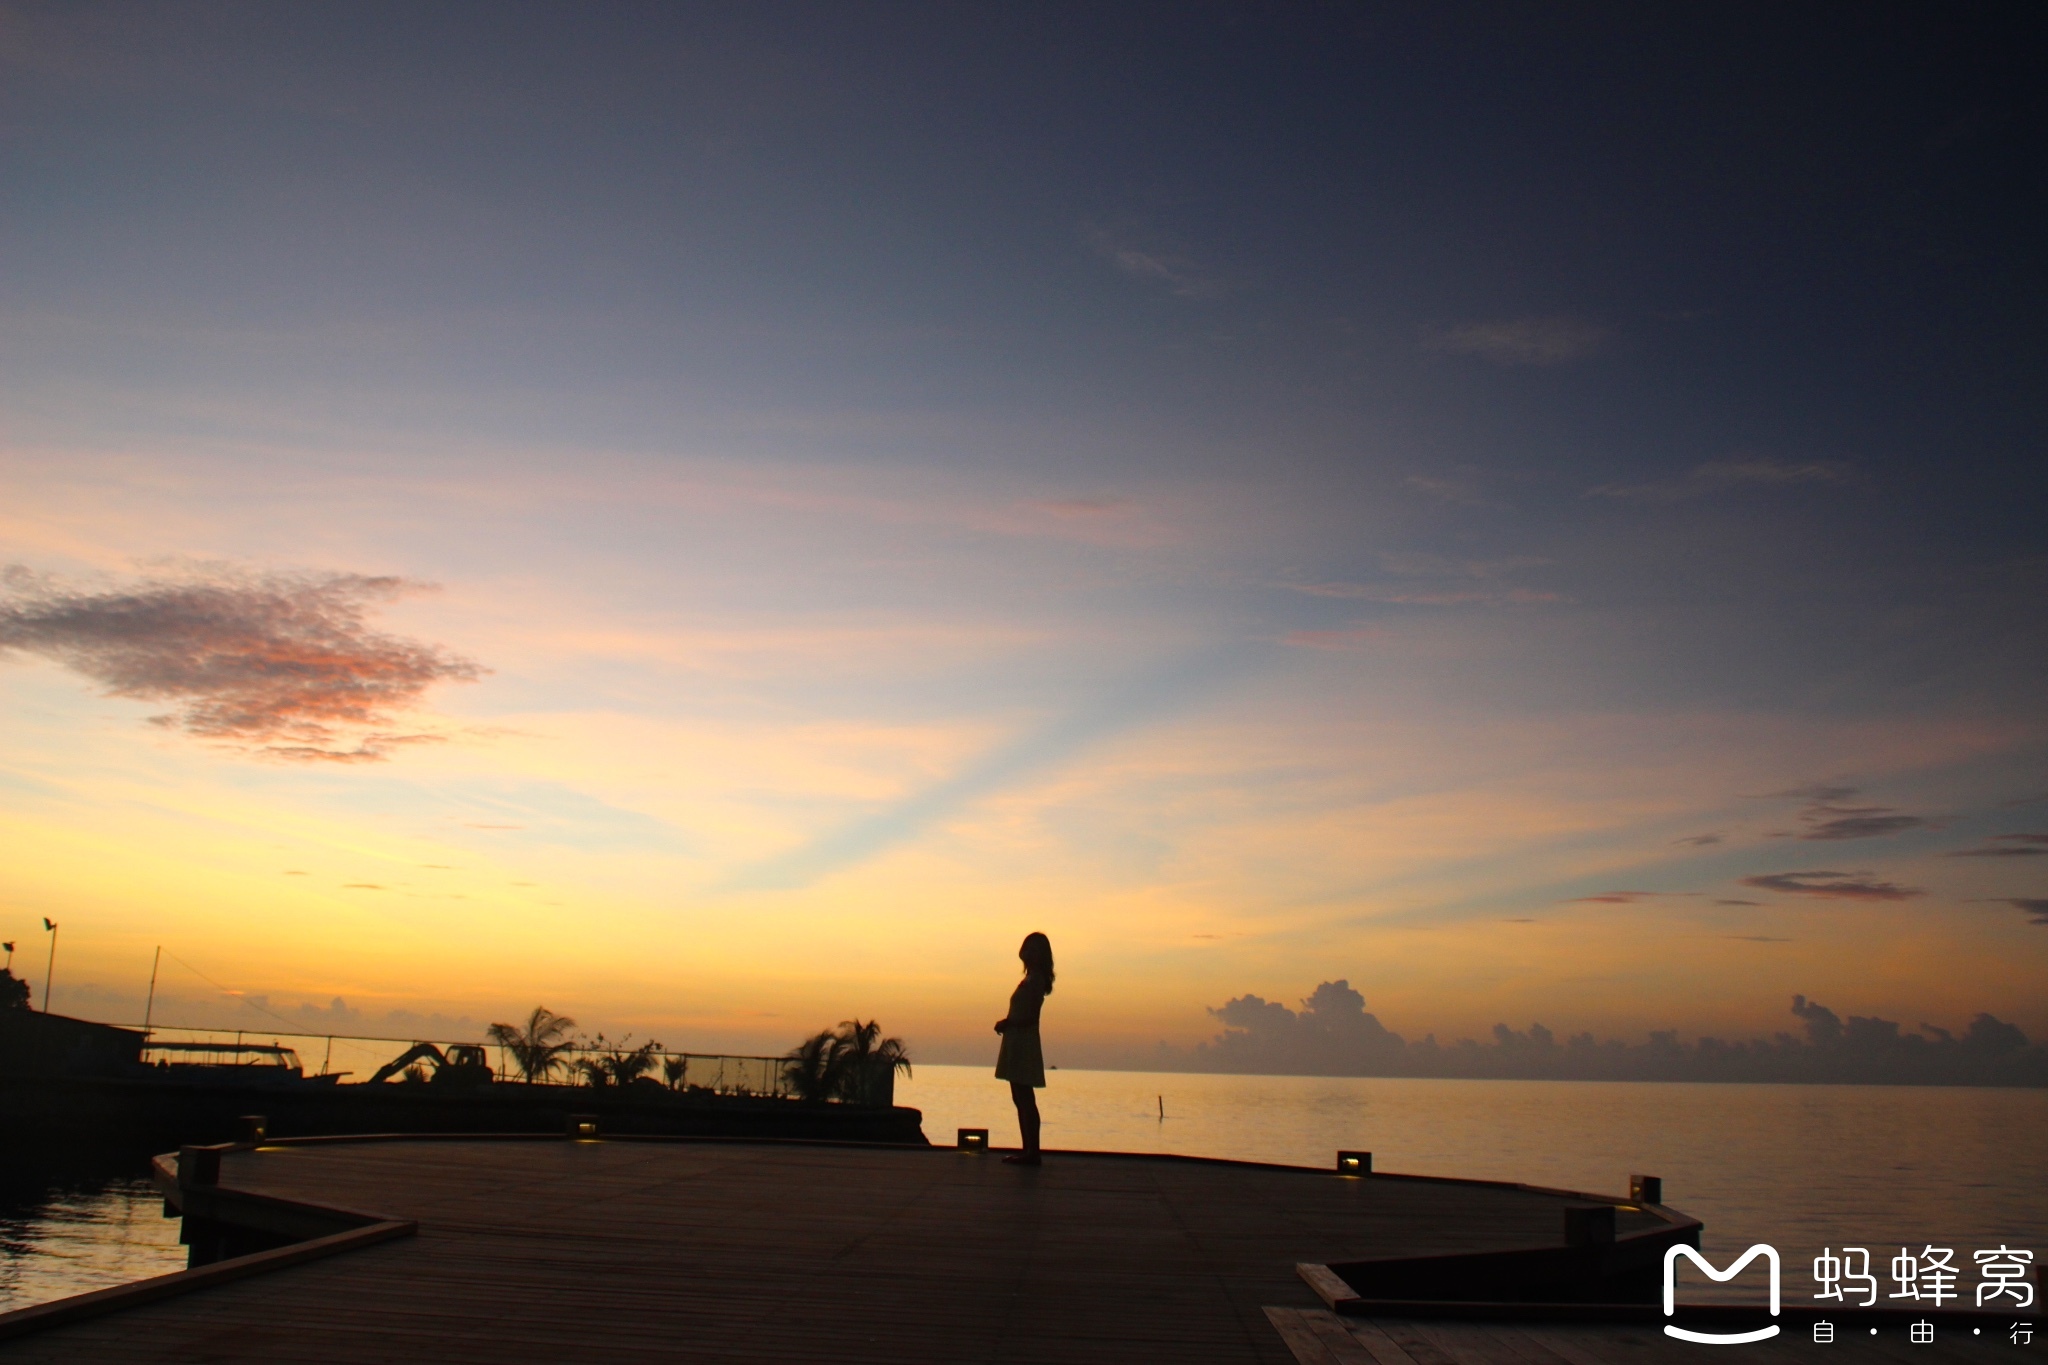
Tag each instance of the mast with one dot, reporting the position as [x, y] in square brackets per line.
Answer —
[148, 1008]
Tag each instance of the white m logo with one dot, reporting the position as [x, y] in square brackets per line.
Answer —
[1671, 1255]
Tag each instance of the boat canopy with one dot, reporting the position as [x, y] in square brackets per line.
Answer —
[221, 1054]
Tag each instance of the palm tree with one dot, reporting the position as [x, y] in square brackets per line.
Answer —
[538, 1045]
[868, 1062]
[851, 1064]
[673, 1070]
[812, 1068]
[626, 1066]
[605, 1063]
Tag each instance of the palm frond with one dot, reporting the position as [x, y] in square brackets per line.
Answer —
[538, 1044]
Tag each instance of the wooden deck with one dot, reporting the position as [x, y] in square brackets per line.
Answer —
[554, 1251]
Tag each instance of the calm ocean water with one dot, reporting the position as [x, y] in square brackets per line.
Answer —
[1800, 1167]
[70, 1223]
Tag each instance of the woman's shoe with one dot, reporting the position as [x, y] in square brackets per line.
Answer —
[1022, 1159]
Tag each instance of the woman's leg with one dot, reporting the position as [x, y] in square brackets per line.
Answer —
[1027, 1115]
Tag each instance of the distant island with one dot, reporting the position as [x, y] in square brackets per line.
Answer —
[1333, 1035]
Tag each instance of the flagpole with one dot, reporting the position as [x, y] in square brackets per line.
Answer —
[49, 968]
[146, 1009]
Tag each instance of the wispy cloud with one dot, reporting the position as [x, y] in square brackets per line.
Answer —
[2037, 906]
[1346, 638]
[1462, 489]
[1720, 476]
[1084, 507]
[1623, 897]
[1699, 840]
[277, 663]
[1423, 579]
[1142, 701]
[1519, 341]
[1395, 594]
[1828, 819]
[1838, 886]
[1182, 275]
[2008, 846]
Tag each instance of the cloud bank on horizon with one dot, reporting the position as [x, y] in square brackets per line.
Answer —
[1332, 1034]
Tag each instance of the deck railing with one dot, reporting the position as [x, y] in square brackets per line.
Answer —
[358, 1056]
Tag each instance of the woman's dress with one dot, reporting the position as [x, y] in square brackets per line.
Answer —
[1022, 1060]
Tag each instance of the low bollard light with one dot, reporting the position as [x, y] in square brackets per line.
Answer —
[583, 1126]
[1646, 1189]
[973, 1140]
[1354, 1163]
[255, 1127]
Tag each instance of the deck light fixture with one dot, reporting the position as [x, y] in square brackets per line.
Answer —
[255, 1127]
[972, 1140]
[583, 1127]
[1354, 1163]
[1646, 1189]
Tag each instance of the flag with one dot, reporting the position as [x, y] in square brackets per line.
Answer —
[49, 926]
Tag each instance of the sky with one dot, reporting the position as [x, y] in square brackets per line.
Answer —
[720, 519]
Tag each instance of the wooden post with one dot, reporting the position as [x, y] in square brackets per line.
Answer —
[199, 1166]
[1588, 1225]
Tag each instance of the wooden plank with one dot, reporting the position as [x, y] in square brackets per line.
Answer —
[1344, 1347]
[1579, 1347]
[1330, 1287]
[1301, 1339]
[1389, 1351]
[1515, 1344]
[1468, 1343]
[1319, 1337]
[1423, 1350]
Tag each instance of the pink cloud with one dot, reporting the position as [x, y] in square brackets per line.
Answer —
[281, 664]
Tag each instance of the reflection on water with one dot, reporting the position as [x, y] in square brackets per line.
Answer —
[1801, 1167]
[71, 1223]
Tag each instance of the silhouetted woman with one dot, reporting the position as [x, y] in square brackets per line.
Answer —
[1022, 1061]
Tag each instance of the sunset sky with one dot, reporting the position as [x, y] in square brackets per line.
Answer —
[718, 519]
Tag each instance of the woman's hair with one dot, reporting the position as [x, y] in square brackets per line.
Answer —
[1037, 955]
